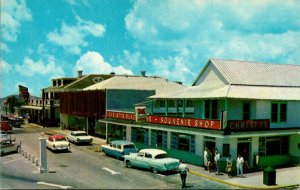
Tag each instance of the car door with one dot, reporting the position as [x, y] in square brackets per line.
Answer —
[139, 160]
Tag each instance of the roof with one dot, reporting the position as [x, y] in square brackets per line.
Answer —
[80, 83]
[153, 151]
[57, 136]
[244, 80]
[161, 85]
[258, 74]
[121, 142]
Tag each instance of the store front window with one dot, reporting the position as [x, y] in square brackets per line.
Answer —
[184, 142]
[159, 138]
[273, 145]
[139, 135]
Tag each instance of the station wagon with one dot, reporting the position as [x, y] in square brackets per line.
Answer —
[119, 148]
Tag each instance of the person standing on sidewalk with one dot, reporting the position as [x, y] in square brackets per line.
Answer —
[239, 166]
[205, 158]
[217, 161]
[183, 169]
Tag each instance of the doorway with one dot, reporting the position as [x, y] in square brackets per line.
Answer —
[210, 145]
[243, 148]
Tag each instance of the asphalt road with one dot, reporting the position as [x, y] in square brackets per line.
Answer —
[83, 168]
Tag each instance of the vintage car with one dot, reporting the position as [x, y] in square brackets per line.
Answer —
[119, 148]
[57, 142]
[8, 145]
[153, 159]
[79, 137]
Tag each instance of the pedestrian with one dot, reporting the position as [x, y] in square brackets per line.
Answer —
[208, 158]
[183, 169]
[205, 158]
[217, 161]
[229, 166]
[239, 166]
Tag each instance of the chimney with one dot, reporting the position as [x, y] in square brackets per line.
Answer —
[79, 73]
[143, 73]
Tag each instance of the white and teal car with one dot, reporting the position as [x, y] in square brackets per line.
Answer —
[154, 159]
[119, 148]
[77, 137]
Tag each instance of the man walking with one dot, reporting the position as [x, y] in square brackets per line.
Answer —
[183, 169]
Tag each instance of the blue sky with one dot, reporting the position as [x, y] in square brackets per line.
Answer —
[44, 39]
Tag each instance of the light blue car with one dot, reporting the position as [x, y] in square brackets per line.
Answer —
[154, 159]
[119, 148]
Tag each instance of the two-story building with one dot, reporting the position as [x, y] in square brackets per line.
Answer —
[46, 110]
[116, 96]
[234, 106]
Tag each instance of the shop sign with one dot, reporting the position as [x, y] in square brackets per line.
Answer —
[187, 122]
[243, 125]
[120, 115]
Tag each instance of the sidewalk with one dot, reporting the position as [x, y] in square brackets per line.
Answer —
[285, 177]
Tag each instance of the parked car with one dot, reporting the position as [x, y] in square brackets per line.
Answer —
[8, 145]
[57, 142]
[119, 148]
[79, 137]
[153, 159]
[3, 134]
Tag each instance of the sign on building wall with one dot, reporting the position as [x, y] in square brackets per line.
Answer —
[120, 115]
[247, 125]
[187, 122]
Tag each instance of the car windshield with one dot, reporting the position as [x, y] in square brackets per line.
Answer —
[60, 139]
[129, 146]
[80, 134]
[160, 156]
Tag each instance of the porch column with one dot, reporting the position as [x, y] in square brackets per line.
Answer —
[176, 107]
[183, 108]
[152, 107]
[203, 109]
[166, 107]
[106, 131]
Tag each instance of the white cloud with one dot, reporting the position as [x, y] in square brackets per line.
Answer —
[93, 63]
[4, 47]
[73, 38]
[32, 68]
[13, 12]
[5, 67]
[267, 31]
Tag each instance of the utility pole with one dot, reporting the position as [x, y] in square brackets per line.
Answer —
[43, 109]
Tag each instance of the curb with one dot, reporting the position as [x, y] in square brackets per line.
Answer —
[243, 186]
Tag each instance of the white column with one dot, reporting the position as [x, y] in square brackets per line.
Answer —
[169, 139]
[106, 131]
[128, 133]
[43, 155]
[87, 125]
[254, 150]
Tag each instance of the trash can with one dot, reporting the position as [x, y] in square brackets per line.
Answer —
[269, 177]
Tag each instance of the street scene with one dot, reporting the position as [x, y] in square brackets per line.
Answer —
[83, 167]
[148, 94]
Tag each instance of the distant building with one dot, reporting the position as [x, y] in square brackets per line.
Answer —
[51, 96]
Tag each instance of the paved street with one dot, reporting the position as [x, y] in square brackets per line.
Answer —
[84, 167]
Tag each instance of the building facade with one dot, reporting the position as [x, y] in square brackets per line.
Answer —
[234, 106]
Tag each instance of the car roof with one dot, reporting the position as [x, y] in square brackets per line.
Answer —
[153, 151]
[121, 142]
[78, 131]
[56, 136]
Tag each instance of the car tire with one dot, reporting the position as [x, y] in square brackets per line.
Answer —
[154, 170]
[127, 164]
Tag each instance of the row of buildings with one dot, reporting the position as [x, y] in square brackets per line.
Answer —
[235, 106]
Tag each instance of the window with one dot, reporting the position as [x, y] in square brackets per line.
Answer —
[273, 145]
[183, 142]
[226, 150]
[246, 111]
[189, 103]
[147, 155]
[278, 112]
[211, 109]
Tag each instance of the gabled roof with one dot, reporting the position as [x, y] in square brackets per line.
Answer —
[161, 85]
[242, 80]
[256, 74]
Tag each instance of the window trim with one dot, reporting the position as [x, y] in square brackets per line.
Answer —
[279, 103]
